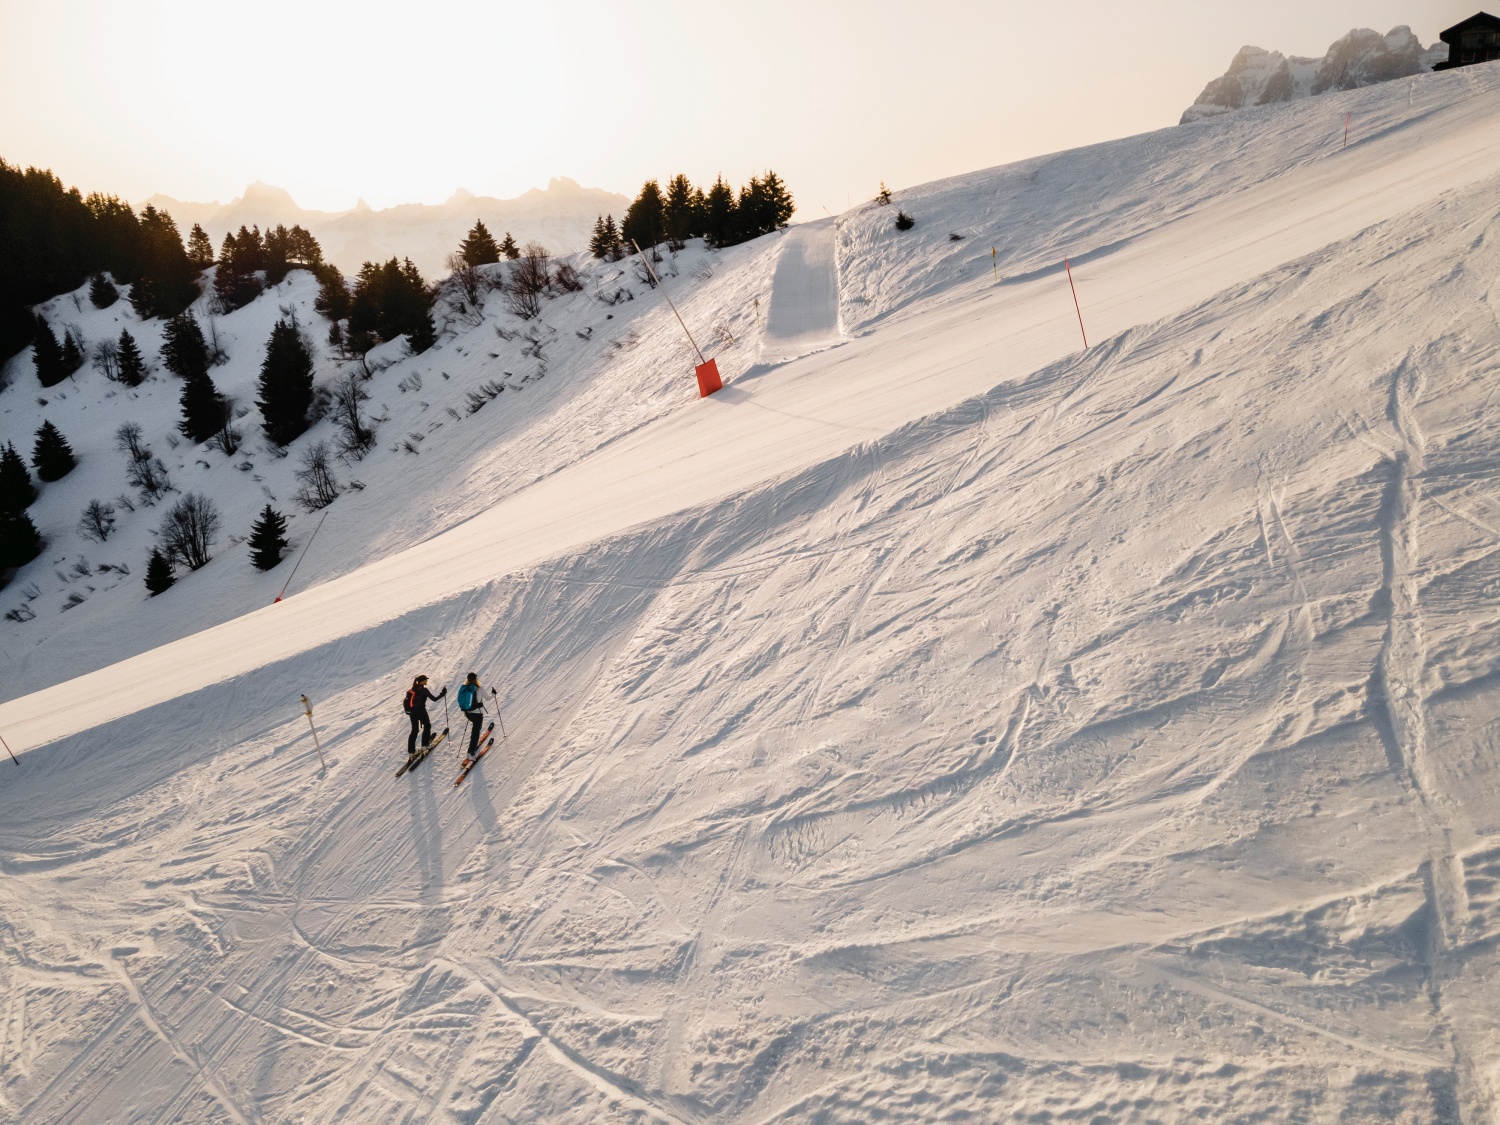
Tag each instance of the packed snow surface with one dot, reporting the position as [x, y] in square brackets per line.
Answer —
[948, 724]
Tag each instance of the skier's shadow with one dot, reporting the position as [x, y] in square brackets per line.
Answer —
[427, 831]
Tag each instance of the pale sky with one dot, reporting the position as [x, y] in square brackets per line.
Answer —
[408, 102]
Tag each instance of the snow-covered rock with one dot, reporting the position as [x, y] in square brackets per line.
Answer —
[1361, 58]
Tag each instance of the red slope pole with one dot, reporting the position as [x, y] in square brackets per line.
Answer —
[300, 557]
[1076, 309]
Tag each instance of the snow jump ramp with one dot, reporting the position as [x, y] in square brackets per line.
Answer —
[804, 314]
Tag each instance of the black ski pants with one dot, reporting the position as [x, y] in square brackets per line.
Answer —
[476, 723]
[420, 720]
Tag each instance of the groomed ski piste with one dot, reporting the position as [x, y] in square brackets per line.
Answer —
[949, 723]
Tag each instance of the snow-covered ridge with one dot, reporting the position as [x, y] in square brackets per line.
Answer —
[1361, 58]
[560, 217]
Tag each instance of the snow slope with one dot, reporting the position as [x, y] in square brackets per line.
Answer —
[1057, 736]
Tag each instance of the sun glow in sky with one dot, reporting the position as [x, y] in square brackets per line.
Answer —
[408, 102]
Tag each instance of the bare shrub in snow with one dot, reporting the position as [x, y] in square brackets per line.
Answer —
[904, 221]
[529, 279]
[97, 521]
[146, 473]
[476, 399]
[128, 441]
[319, 486]
[106, 357]
[566, 278]
[356, 435]
[466, 277]
[188, 531]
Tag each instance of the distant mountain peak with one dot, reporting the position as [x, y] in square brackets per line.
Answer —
[1361, 58]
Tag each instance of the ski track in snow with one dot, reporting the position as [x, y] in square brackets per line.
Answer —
[1111, 737]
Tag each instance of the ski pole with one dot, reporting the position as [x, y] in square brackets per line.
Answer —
[9, 751]
[498, 716]
[307, 710]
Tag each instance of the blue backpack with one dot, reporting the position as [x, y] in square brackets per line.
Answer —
[468, 695]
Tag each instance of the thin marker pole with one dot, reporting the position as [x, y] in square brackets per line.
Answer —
[995, 265]
[1346, 130]
[9, 751]
[668, 296]
[307, 710]
[1076, 309]
[300, 557]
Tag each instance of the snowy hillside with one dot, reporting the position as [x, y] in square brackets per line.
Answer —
[1361, 58]
[941, 722]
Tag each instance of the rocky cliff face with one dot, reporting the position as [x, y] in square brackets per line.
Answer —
[1361, 58]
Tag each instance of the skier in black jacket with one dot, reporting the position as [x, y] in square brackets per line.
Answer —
[416, 706]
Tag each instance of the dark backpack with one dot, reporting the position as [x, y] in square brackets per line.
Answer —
[410, 703]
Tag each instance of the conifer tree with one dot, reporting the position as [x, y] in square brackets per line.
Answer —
[479, 248]
[167, 284]
[47, 355]
[72, 354]
[132, 368]
[679, 216]
[509, 248]
[719, 220]
[19, 541]
[605, 241]
[268, 539]
[183, 349]
[200, 250]
[16, 490]
[422, 335]
[52, 455]
[286, 382]
[643, 219]
[204, 410]
[102, 292]
[159, 574]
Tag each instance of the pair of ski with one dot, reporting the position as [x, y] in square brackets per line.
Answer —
[486, 741]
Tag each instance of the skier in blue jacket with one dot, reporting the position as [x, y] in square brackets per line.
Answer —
[471, 703]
